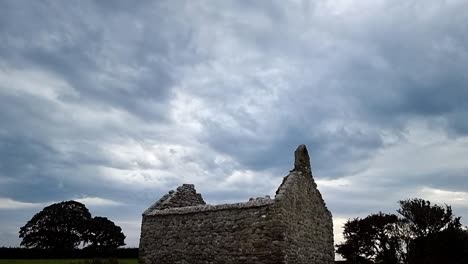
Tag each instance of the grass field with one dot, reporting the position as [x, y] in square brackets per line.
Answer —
[56, 261]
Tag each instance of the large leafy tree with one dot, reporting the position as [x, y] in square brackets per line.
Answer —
[371, 239]
[447, 246]
[59, 226]
[432, 233]
[423, 218]
[424, 233]
[104, 234]
[66, 225]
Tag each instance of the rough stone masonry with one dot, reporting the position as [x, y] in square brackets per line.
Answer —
[293, 228]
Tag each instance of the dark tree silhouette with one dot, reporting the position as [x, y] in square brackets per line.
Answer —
[104, 234]
[371, 239]
[432, 233]
[58, 226]
[424, 219]
[424, 234]
[68, 224]
[447, 246]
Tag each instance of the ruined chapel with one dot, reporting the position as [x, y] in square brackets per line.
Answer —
[294, 227]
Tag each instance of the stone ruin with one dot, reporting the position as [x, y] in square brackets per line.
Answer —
[293, 228]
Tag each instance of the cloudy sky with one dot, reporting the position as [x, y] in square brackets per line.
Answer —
[113, 103]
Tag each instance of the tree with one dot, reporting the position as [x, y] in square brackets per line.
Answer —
[447, 246]
[432, 233]
[371, 239]
[424, 234]
[104, 234]
[68, 224]
[424, 219]
[58, 226]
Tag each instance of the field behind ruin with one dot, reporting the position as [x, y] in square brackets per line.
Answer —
[59, 261]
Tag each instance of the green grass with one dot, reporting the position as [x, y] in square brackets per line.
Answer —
[56, 261]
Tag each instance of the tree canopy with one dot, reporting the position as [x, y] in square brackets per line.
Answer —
[423, 233]
[104, 234]
[371, 239]
[59, 226]
[424, 219]
[68, 224]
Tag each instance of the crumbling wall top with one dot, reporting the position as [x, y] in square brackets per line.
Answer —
[253, 202]
[184, 196]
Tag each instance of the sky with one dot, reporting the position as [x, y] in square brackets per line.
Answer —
[114, 103]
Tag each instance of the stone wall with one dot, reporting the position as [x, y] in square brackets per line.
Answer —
[308, 223]
[294, 227]
[228, 235]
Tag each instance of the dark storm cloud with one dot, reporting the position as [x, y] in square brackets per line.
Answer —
[339, 147]
[36, 172]
[103, 59]
[415, 70]
[107, 62]
[387, 78]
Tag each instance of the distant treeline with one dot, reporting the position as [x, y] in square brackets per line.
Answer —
[26, 253]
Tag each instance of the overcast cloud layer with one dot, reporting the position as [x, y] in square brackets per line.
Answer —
[116, 102]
